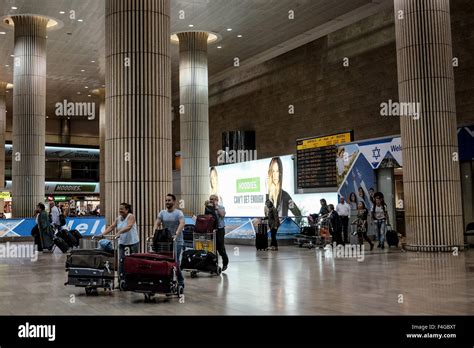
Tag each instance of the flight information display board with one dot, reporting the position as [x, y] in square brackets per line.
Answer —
[316, 161]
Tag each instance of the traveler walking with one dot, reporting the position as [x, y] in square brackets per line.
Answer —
[271, 213]
[380, 217]
[344, 211]
[335, 225]
[361, 224]
[220, 234]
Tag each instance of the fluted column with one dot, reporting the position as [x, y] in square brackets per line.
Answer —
[194, 120]
[102, 156]
[29, 114]
[138, 104]
[432, 188]
[3, 123]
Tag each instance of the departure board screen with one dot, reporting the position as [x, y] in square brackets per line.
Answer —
[316, 161]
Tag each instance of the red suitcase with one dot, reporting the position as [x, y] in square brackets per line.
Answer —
[150, 274]
[204, 224]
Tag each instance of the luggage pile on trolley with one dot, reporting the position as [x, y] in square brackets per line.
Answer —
[91, 269]
[315, 234]
[154, 272]
[203, 256]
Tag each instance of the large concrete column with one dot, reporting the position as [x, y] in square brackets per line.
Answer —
[432, 188]
[3, 123]
[138, 104]
[194, 120]
[102, 156]
[29, 114]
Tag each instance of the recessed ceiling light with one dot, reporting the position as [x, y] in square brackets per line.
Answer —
[6, 65]
[14, 8]
[80, 20]
[2, 33]
[82, 70]
[86, 87]
[239, 35]
[47, 116]
[229, 29]
[12, 55]
[89, 95]
[78, 92]
[62, 12]
[219, 47]
[92, 61]
[191, 25]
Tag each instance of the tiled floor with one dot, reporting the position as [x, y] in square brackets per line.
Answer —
[291, 281]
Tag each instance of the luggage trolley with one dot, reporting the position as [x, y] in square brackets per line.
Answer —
[315, 235]
[155, 272]
[92, 269]
[205, 242]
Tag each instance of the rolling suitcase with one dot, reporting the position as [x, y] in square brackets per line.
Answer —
[150, 274]
[76, 235]
[261, 237]
[61, 244]
[200, 260]
[97, 259]
[68, 238]
[90, 277]
[392, 237]
[188, 235]
[204, 224]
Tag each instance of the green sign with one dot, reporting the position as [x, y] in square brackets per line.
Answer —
[248, 185]
[61, 198]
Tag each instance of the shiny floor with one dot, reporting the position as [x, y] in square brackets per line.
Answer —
[292, 281]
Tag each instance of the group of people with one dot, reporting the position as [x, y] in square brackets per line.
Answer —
[339, 216]
[47, 225]
[171, 218]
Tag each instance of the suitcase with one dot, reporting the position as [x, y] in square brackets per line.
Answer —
[261, 237]
[149, 273]
[76, 235]
[97, 259]
[162, 241]
[200, 260]
[204, 224]
[308, 231]
[391, 237]
[61, 244]
[353, 236]
[90, 277]
[188, 235]
[68, 238]
[47, 239]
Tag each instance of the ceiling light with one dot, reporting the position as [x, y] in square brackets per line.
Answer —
[239, 35]
[80, 20]
[6, 65]
[191, 25]
[78, 92]
[92, 61]
[89, 95]
[2, 33]
[82, 70]
[12, 55]
[219, 47]
[229, 29]
[62, 12]
[86, 87]
[14, 8]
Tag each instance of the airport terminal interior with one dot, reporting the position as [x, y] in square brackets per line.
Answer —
[250, 157]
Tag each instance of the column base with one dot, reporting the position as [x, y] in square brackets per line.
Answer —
[433, 248]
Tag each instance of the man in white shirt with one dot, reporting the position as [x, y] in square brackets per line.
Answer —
[54, 213]
[344, 211]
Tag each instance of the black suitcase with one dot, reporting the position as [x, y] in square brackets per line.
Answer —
[68, 238]
[76, 235]
[61, 244]
[90, 277]
[199, 260]
[188, 234]
[392, 237]
[261, 238]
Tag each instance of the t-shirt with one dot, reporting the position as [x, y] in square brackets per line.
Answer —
[170, 220]
[379, 213]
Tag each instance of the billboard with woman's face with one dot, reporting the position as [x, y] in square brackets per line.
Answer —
[244, 187]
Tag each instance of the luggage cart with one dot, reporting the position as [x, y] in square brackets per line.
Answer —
[205, 242]
[147, 283]
[320, 236]
[90, 277]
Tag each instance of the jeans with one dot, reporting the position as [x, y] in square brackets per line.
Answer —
[381, 227]
[125, 250]
[179, 250]
[345, 226]
[220, 246]
[273, 233]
